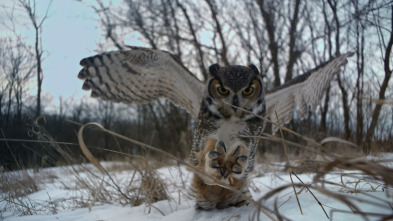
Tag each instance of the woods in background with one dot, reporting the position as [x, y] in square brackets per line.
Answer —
[282, 38]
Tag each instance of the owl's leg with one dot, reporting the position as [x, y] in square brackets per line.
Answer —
[228, 166]
[222, 164]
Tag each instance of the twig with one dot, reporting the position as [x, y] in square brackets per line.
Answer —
[382, 216]
[35, 141]
[290, 168]
[320, 204]
[162, 213]
[378, 101]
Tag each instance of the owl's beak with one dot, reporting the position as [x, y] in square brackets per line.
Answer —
[235, 103]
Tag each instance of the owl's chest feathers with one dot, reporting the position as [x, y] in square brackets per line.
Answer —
[228, 130]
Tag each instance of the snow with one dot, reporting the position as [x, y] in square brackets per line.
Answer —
[61, 197]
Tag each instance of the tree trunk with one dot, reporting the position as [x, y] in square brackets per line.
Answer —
[293, 53]
[347, 129]
[359, 86]
[384, 86]
[324, 110]
[268, 18]
[39, 71]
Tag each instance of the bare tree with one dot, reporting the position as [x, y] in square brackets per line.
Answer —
[283, 38]
[333, 4]
[37, 22]
[195, 40]
[267, 9]
[294, 52]
[3, 79]
[214, 13]
[16, 69]
[385, 83]
[360, 48]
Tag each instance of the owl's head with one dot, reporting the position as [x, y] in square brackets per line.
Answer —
[234, 91]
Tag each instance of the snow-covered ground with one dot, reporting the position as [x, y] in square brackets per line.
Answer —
[62, 196]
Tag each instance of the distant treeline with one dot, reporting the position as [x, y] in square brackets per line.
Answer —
[282, 38]
[52, 138]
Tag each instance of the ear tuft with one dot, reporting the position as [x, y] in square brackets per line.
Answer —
[213, 69]
[254, 69]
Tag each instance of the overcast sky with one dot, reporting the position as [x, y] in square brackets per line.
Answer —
[70, 34]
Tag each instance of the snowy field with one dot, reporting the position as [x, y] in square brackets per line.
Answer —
[77, 193]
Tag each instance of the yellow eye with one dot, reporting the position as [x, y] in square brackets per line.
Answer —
[248, 91]
[222, 91]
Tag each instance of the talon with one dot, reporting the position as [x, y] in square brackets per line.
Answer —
[220, 146]
[236, 150]
[222, 171]
[241, 159]
[214, 165]
[237, 169]
[214, 154]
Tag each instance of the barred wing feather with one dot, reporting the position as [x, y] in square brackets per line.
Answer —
[303, 93]
[141, 75]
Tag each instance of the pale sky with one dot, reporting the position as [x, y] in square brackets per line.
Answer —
[70, 34]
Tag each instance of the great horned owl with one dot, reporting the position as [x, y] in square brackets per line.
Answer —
[228, 108]
[233, 104]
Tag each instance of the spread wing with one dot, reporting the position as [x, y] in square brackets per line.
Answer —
[303, 93]
[141, 75]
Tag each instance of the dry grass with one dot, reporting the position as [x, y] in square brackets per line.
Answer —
[145, 186]
[358, 177]
[347, 162]
[15, 188]
[17, 184]
[322, 163]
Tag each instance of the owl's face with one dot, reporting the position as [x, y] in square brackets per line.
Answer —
[234, 91]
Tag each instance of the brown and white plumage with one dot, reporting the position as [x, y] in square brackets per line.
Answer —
[139, 76]
[142, 75]
[303, 93]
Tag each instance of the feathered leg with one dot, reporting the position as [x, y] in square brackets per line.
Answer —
[225, 166]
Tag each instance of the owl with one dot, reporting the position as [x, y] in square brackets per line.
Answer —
[232, 105]
[231, 109]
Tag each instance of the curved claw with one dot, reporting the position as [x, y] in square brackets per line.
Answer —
[237, 150]
[214, 164]
[222, 171]
[237, 169]
[214, 154]
[220, 146]
[241, 159]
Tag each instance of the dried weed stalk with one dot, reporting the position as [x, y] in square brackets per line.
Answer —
[359, 170]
